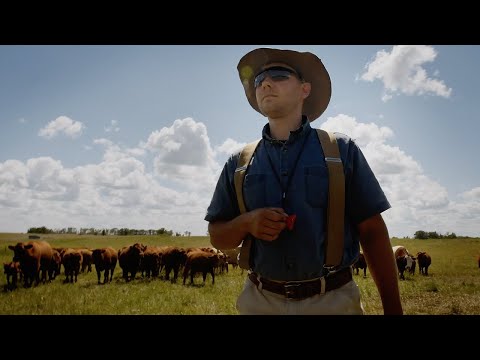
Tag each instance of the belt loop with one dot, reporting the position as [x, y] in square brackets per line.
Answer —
[260, 284]
[322, 285]
[259, 280]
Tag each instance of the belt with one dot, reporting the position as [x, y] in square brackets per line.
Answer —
[303, 289]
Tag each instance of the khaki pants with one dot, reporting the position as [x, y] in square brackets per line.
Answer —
[342, 301]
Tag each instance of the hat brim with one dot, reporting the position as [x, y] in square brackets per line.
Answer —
[310, 67]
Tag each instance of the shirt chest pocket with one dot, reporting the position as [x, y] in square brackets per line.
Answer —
[316, 186]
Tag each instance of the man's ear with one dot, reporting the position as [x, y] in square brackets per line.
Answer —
[306, 89]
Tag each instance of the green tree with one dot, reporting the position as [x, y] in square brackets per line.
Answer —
[420, 234]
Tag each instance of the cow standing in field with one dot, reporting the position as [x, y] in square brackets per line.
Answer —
[232, 255]
[152, 257]
[200, 261]
[12, 270]
[405, 263]
[173, 258]
[424, 261]
[129, 260]
[72, 261]
[105, 259]
[87, 260]
[33, 256]
[55, 265]
[360, 264]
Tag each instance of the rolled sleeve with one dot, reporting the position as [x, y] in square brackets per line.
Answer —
[223, 205]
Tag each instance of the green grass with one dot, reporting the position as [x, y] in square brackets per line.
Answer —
[452, 287]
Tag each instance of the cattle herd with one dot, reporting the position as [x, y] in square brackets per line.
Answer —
[33, 261]
[404, 261]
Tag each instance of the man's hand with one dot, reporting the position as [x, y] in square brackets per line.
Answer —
[267, 223]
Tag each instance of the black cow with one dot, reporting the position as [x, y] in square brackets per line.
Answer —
[360, 264]
[405, 263]
[424, 261]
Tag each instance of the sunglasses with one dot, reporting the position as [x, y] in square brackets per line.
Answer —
[276, 73]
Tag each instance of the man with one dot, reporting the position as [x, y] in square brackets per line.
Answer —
[288, 175]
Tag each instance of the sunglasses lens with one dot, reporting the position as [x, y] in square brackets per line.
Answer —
[279, 75]
[259, 79]
[274, 74]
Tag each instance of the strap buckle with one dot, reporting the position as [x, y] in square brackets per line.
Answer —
[330, 269]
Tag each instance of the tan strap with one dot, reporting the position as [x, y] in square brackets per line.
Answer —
[336, 199]
[242, 165]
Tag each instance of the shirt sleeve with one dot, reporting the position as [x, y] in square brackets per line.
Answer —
[364, 196]
[224, 205]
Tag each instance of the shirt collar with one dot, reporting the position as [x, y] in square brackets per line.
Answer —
[294, 135]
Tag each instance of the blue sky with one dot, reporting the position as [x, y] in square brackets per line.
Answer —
[136, 136]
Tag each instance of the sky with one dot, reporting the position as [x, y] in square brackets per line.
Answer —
[136, 136]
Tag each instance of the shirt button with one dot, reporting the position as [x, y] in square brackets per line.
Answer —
[284, 149]
[284, 172]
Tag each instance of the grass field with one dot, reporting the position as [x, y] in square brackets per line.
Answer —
[452, 287]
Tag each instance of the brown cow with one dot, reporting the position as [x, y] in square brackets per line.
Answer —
[55, 265]
[72, 261]
[129, 260]
[34, 256]
[105, 259]
[424, 261]
[12, 270]
[232, 255]
[360, 264]
[200, 261]
[152, 257]
[87, 260]
[172, 258]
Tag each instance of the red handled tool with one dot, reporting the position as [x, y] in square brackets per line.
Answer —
[291, 221]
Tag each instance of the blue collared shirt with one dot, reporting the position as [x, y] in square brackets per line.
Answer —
[299, 254]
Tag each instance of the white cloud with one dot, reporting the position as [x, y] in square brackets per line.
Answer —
[157, 184]
[363, 133]
[183, 155]
[62, 124]
[22, 121]
[402, 71]
[113, 127]
[119, 191]
[418, 202]
[473, 194]
[229, 147]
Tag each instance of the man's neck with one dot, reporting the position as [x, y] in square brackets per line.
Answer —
[280, 128]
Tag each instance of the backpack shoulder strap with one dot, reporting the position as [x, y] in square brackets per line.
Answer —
[336, 199]
[244, 161]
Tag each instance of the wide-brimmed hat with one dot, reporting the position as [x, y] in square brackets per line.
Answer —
[307, 64]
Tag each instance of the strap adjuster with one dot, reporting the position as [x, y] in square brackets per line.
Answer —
[333, 159]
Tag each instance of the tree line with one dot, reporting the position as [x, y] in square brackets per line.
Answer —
[104, 232]
[420, 234]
